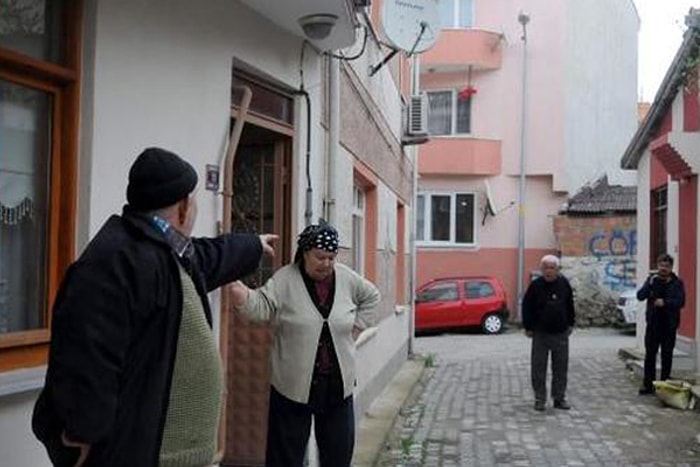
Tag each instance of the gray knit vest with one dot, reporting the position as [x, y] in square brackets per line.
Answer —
[190, 434]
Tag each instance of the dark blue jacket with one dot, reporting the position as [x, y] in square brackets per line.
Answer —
[114, 329]
[671, 291]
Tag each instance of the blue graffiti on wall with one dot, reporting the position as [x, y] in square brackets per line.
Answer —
[617, 250]
[616, 243]
[620, 273]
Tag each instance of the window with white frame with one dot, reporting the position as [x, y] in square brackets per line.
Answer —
[447, 218]
[448, 114]
[358, 229]
[456, 13]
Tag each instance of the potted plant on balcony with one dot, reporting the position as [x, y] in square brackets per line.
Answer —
[466, 92]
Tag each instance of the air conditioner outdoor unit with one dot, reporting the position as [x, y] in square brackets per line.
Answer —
[417, 115]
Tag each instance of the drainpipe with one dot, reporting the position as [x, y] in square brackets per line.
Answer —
[328, 210]
[309, 210]
[229, 159]
[415, 89]
[523, 19]
[333, 139]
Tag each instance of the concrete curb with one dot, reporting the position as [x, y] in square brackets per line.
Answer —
[377, 422]
[634, 362]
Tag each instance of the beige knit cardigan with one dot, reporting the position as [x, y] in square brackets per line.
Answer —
[285, 302]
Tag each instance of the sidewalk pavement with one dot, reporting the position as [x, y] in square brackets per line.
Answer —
[682, 368]
[473, 407]
[377, 422]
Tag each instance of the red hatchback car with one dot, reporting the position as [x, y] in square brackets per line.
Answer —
[461, 302]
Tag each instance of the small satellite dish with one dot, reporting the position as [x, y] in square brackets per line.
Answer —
[490, 207]
[411, 25]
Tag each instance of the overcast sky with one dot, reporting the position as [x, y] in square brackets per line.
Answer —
[660, 35]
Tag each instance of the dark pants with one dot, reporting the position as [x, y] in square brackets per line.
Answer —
[542, 345]
[289, 427]
[661, 332]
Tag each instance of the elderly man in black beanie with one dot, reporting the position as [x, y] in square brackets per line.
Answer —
[134, 375]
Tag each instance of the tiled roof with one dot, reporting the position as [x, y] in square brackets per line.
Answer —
[601, 198]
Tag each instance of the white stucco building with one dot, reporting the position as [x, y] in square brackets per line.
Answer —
[86, 86]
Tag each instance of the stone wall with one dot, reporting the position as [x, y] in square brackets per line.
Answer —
[598, 256]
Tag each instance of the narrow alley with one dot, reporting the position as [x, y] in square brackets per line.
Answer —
[474, 407]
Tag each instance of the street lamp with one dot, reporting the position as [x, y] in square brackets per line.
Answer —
[523, 19]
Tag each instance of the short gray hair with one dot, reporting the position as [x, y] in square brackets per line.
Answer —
[549, 259]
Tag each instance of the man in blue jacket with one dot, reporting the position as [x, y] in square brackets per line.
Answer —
[665, 296]
[134, 376]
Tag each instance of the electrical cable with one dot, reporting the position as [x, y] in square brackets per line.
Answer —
[308, 213]
[357, 55]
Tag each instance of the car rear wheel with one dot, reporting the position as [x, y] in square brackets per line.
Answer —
[492, 324]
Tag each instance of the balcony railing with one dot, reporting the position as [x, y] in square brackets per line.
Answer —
[458, 49]
[460, 155]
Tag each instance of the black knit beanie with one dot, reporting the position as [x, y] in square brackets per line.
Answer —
[159, 178]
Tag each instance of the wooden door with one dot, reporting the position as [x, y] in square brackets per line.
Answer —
[261, 194]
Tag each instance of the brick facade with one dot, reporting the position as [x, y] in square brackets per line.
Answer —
[599, 257]
[596, 236]
[365, 133]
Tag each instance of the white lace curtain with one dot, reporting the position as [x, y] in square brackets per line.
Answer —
[24, 149]
[18, 140]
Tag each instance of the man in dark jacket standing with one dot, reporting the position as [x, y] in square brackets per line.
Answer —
[134, 376]
[665, 296]
[549, 318]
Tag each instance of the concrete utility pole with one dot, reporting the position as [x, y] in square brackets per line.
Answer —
[415, 90]
[523, 19]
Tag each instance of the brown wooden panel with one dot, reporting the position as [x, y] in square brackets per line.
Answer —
[34, 337]
[17, 62]
[248, 379]
[27, 356]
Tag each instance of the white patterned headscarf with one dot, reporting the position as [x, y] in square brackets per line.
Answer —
[322, 236]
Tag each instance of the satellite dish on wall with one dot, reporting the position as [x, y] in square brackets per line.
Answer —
[491, 208]
[411, 25]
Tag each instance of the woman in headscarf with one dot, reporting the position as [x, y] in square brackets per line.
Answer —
[317, 308]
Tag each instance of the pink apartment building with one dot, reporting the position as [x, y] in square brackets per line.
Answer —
[564, 84]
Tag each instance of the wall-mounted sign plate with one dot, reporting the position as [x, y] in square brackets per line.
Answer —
[212, 177]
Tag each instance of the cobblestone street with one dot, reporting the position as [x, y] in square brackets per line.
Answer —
[474, 407]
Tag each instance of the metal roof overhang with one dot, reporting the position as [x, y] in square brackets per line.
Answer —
[662, 102]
